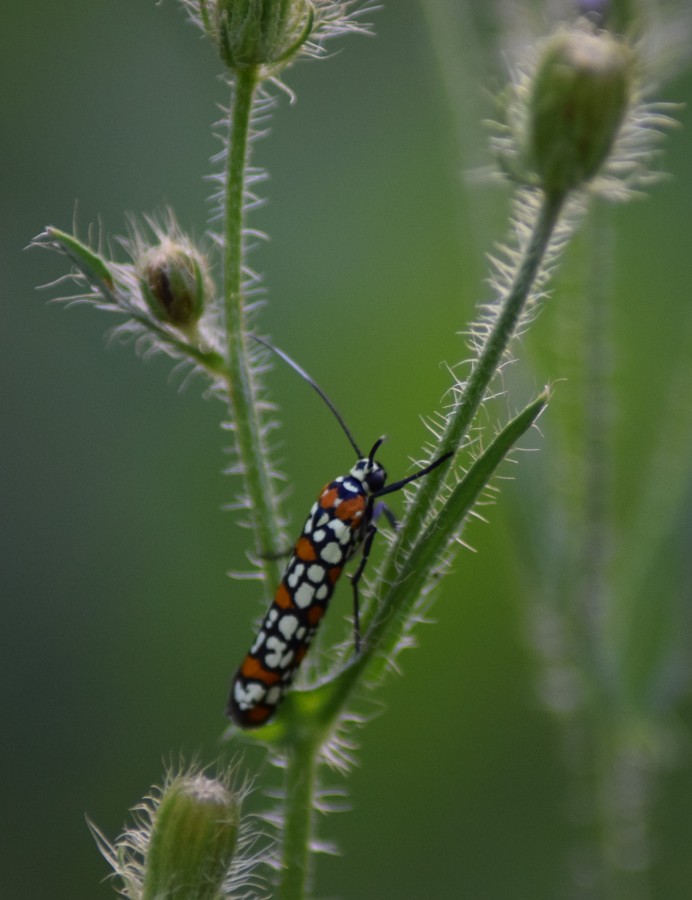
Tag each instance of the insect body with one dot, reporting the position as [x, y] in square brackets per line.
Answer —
[341, 521]
[336, 527]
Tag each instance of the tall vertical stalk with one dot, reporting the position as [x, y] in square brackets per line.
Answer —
[596, 525]
[241, 389]
[620, 770]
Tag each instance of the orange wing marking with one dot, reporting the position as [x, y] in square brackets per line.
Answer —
[315, 613]
[329, 498]
[350, 509]
[253, 668]
[283, 598]
[305, 549]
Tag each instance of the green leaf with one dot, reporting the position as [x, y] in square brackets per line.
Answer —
[87, 261]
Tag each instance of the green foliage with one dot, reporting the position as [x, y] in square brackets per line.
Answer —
[168, 303]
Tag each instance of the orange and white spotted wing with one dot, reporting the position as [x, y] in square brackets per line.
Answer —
[335, 528]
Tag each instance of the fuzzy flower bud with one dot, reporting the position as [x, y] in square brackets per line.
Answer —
[259, 33]
[580, 94]
[193, 840]
[174, 283]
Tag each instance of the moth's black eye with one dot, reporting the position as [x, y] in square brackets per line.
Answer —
[376, 479]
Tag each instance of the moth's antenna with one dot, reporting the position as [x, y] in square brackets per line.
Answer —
[313, 384]
[397, 486]
[376, 446]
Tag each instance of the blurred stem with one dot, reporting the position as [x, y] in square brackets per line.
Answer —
[241, 389]
[624, 799]
[619, 776]
[596, 525]
[300, 772]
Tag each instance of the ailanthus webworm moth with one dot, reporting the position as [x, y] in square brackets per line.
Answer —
[341, 522]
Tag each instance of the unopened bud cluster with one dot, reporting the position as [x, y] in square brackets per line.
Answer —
[262, 34]
[193, 840]
[579, 97]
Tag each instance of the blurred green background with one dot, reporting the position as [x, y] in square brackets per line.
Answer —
[120, 629]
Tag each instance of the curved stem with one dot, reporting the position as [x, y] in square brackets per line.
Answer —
[241, 389]
[484, 370]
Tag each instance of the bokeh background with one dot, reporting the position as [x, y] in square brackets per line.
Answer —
[119, 627]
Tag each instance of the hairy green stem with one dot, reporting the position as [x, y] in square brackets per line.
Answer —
[241, 389]
[484, 370]
[299, 784]
[302, 757]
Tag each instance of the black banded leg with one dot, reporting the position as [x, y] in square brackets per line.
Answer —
[355, 578]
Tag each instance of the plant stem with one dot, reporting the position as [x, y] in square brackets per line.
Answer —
[301, 758]
[621, 780]
[595, 597]
[300, 771]
[484, 370]
[241, 388]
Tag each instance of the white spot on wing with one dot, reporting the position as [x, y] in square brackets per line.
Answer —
[304, 595]
[275, 649]
[331, 553]
[341, 531]
[295, 574]
[247, 695]
[259, 640]
[315, 573]
[287, 626]
[273, 695]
